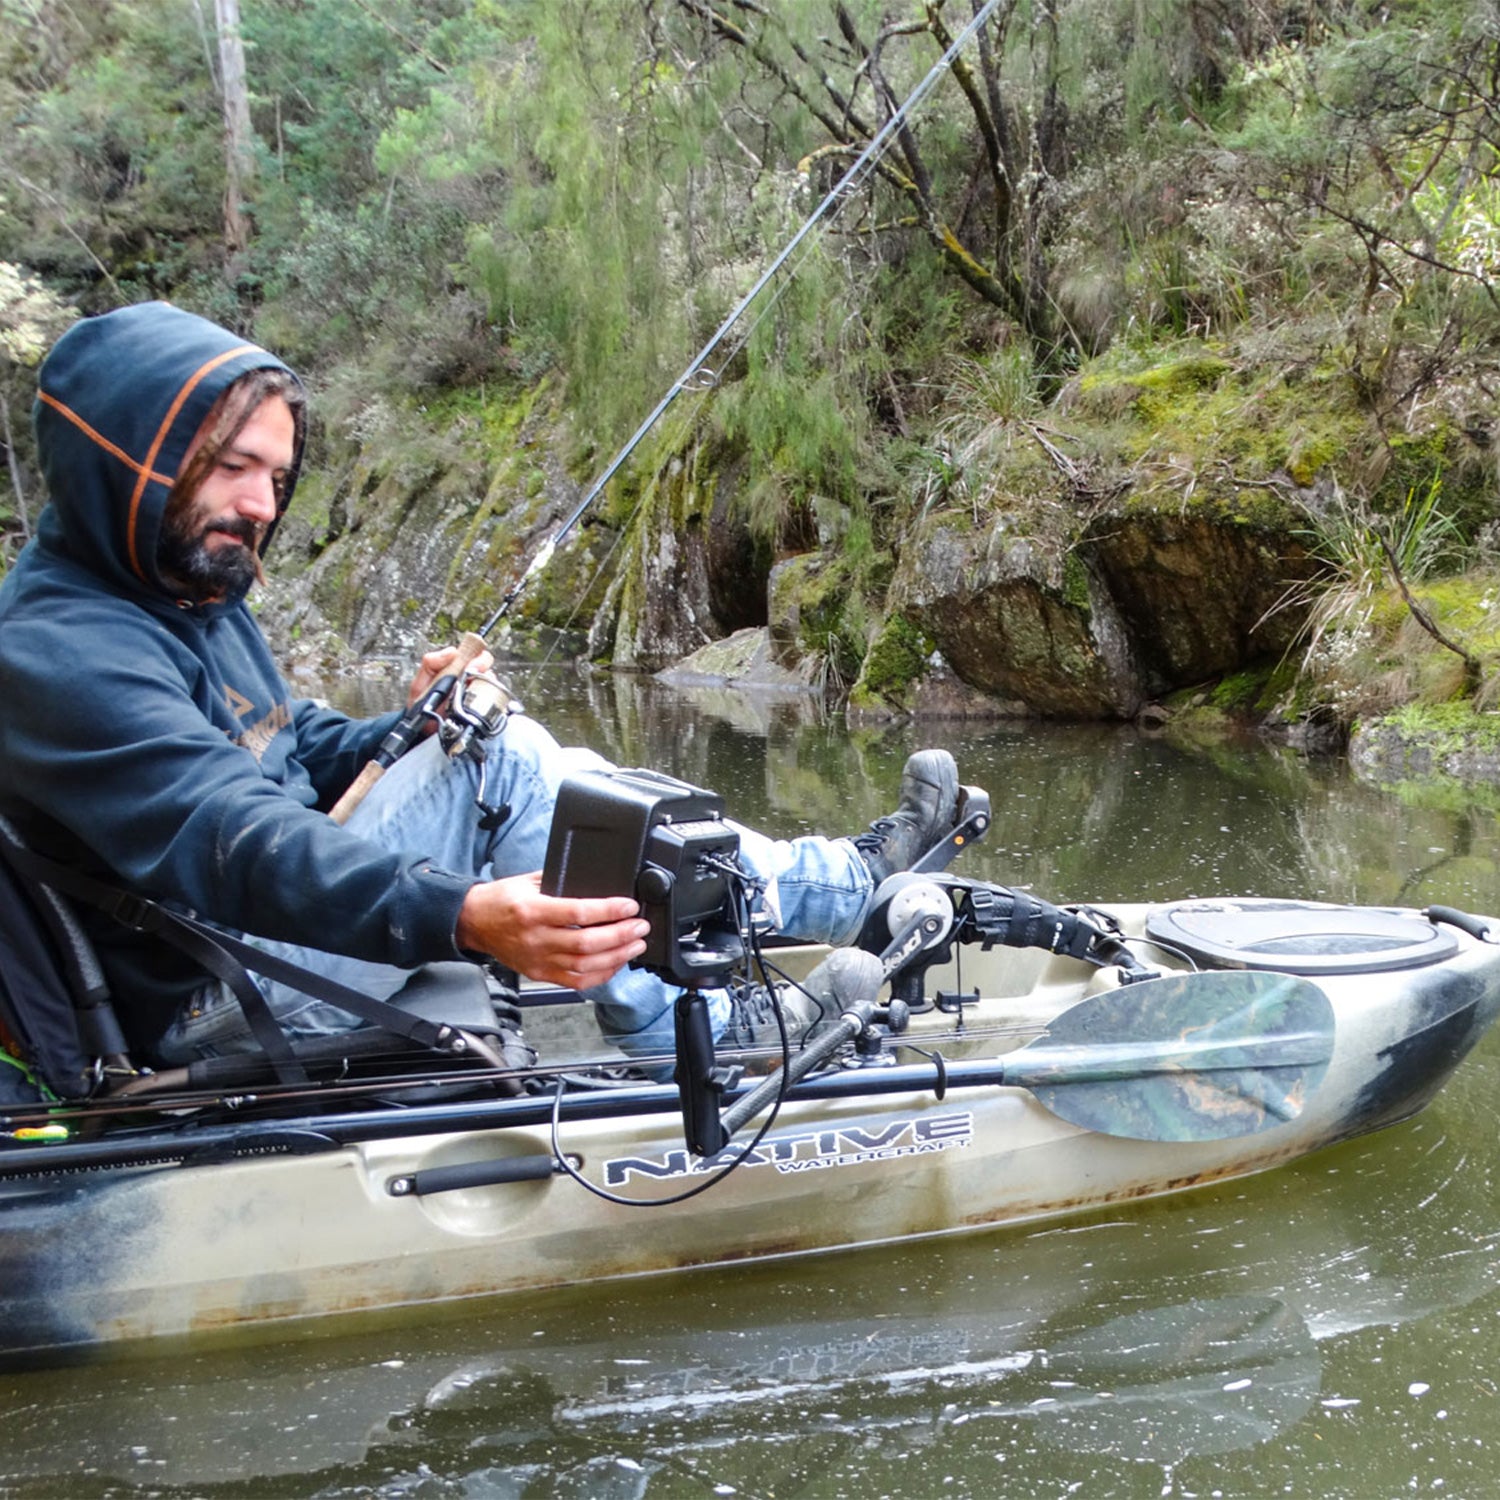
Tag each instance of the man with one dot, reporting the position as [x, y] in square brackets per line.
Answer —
[147, 736]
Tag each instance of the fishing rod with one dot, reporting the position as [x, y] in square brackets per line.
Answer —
[451, 687]
[698, 375]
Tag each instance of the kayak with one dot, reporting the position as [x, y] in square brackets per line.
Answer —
[1175, 1329]
[1014, 1061]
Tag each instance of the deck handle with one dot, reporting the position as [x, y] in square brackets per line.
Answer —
[1476, 927]
[489, 1173]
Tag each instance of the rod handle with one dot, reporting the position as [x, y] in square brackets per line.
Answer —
[469, 646]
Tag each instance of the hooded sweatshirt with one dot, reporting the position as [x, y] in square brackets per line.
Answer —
[151, 740]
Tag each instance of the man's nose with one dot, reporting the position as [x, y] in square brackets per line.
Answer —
[257, 500]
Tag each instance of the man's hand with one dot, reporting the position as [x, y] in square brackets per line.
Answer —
[435, 663]
[554, 939]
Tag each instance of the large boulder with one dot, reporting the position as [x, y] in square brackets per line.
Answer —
[690, 573]
[1142, 601]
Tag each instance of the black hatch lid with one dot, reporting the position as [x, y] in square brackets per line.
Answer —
[1299, 937]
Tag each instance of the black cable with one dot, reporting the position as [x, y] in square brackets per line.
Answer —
[739, 884]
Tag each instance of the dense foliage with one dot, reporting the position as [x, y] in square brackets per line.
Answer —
[472, 194]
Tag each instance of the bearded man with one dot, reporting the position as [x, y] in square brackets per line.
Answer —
[147, 737]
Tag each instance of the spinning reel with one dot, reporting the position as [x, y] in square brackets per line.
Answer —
[476, 711]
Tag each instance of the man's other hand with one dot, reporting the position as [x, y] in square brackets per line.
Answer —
[553, 939]
[435, 663]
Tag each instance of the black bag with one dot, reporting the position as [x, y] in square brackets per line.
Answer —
[52, 990]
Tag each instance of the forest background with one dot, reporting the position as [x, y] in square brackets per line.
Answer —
[1151, 371]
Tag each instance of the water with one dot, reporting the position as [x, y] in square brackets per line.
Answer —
[1328, 1329]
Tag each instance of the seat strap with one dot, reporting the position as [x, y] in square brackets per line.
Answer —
[227, 957]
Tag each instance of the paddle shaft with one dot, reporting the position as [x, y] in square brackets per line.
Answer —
[1034, 1066]
[310, 1134]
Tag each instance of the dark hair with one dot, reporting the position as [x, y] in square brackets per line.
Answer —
[226, 418]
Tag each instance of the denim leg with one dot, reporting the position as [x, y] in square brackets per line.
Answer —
[818, 889]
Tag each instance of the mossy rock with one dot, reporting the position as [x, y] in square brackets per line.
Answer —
[898, 656]
[1203, 427]
[817, 611]
[1450, 740]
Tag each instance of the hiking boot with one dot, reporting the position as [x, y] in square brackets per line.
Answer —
[928, 812]
[752, 1017]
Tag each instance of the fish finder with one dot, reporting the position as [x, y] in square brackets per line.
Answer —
[663, 841]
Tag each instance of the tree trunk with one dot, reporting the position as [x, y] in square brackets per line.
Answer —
[15, 470]
[239, 153]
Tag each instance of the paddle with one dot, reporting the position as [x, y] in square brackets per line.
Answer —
[1188, 1057]
[1191, 1057]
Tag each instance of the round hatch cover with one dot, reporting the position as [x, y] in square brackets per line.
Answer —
[1299, 937]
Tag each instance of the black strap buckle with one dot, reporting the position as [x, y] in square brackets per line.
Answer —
[139, 913]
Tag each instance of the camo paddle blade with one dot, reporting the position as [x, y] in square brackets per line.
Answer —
[1190, 1057]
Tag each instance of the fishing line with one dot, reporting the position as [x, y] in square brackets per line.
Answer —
[710, 381]
[697, 375]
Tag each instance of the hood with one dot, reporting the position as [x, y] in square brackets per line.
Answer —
[120, 398]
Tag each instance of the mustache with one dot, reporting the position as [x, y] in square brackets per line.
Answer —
[243, 530]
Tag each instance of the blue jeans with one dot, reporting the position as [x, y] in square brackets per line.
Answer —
[818, 889]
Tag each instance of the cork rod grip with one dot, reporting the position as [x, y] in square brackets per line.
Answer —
[469, 646]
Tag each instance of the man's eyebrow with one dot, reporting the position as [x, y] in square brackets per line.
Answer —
[235, 448]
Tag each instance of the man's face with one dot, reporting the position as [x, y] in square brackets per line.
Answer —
[210, 544]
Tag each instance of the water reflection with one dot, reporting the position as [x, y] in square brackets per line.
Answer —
[1327, 1329]
[1106, 813]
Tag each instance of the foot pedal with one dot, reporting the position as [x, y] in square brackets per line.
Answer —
[973, 823]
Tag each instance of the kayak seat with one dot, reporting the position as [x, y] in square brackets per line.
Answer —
[57, 1019]
[456, 994]
[1299, 937]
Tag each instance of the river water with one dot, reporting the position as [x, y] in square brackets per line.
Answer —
[1328, 1329]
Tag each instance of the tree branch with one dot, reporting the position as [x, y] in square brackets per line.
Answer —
[1420, 615]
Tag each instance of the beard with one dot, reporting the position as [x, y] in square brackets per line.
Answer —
[186, 560]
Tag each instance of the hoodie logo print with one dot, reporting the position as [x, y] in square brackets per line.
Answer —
[258, 736]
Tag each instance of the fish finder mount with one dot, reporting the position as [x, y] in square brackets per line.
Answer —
[667, 843]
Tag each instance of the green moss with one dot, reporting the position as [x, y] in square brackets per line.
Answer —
[1443, 728]
[1311, 453]
[1439, 455]
[1193, 421]
[1180, 377]
[1241, 692]
[1075, 583]
[897, 657]
[819, 611]
[833, 618]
